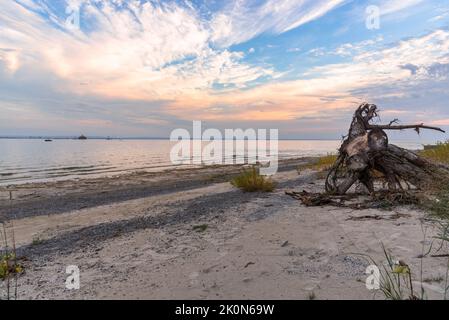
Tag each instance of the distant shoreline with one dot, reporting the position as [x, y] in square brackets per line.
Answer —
[167, 139]
[133, 138]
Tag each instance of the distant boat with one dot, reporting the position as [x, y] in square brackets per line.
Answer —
[48, 140]
[82, 137]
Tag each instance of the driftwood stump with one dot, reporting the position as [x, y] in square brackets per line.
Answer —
[366, 153]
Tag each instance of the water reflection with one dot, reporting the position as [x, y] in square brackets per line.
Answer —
[24, 160]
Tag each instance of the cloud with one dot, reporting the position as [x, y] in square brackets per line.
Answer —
[439, 70]
[389, 9]
[241, 21]
[393, 6]
[351, 49]
[411, 67]
[368, 75]
[148, 50]
[140, 64]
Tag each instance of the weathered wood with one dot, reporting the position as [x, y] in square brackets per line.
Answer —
[366, 149]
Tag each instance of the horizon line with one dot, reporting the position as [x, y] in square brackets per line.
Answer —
[36, 137]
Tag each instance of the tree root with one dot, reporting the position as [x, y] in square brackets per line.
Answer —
[366, 150]
[356, 201]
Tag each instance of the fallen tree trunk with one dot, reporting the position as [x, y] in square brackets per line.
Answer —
[366, 154]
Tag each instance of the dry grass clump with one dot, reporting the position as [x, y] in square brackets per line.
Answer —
[250, 180]
[438, 153]
[323, 163]
[439, 205]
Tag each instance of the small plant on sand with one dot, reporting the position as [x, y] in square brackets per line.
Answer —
[395, 278]
[250, 180]
[36, 241]
[9, 267]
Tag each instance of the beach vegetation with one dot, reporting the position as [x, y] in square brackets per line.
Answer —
[9, 266]
[250, 180]
[395, 278]
[36, 241]
[439, 204]
[438, 153]
[321, 164]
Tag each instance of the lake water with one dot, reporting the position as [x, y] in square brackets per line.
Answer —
[28, 160]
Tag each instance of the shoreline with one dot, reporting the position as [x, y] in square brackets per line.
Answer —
[143, 171]
[52, 197]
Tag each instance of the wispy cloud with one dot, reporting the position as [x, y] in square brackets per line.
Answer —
[240, 20]
[392, 6]
[147, 50]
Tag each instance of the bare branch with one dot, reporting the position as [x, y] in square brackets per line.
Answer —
[412, 126]
[393, 121]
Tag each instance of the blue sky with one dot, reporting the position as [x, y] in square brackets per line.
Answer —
[144, 68]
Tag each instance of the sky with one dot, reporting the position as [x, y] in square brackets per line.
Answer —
[143, 68]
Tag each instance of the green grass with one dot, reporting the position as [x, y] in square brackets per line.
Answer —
[321, 164]
[439, 206]
[9, 266]
[395, 279]
[250, 180]
[36, 241]
[10, 269]
[439, 153]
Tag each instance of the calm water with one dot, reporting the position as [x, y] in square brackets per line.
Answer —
[36, 160]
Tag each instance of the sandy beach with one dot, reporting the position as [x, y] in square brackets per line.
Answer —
[189, 234]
